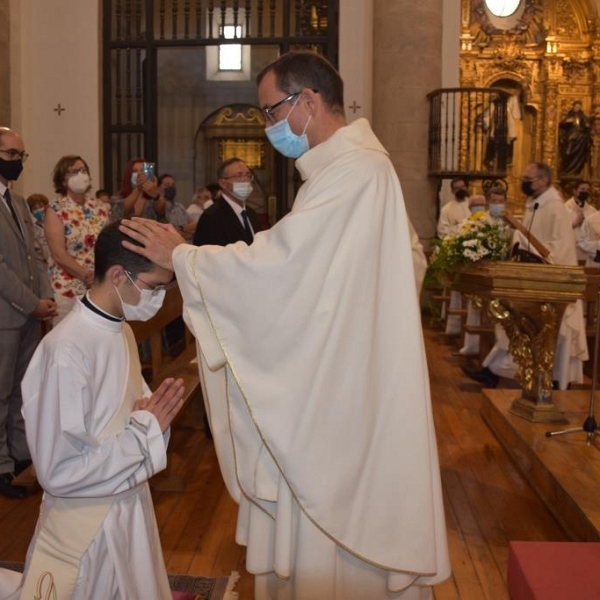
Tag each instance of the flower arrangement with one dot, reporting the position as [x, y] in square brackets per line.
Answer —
[479, 238]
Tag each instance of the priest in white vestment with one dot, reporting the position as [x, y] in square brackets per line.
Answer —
[96, 435]
[313, 363]
[580, 209]
[588, 240]
[455, 211]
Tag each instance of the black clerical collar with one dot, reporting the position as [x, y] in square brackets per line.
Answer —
[85, 300]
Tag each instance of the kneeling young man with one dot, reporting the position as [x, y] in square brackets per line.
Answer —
[97, 434]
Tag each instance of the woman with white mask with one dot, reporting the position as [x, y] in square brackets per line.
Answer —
[72, 225]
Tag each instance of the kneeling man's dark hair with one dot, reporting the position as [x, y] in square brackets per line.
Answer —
[109, 251]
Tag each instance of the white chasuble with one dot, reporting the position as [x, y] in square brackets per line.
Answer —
[318, 392]
[96, 536]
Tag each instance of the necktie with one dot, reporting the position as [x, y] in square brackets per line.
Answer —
[248, 237]
[12, 210]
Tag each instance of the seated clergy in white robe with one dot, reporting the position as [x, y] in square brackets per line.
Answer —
[313, 364]
[96, 435]
[546, 217]
[588, 240]
[452, 216]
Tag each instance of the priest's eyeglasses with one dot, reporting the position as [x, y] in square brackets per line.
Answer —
[268, 110]
[156, 289]
[15, 155]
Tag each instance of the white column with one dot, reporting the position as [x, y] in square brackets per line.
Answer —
[356, 57]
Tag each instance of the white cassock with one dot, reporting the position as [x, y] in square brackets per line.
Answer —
[452, 215]
[588, 240]
[313, 365]
[550, 223]
[97, 534]
[574, 211]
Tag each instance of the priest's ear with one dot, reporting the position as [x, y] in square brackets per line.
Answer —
[312, 100]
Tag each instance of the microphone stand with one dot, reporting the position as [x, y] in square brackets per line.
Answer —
[535, 207]
[589, 425]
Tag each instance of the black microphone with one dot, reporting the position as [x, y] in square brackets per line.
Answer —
[535, 207]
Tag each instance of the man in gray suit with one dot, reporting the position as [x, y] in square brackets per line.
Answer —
[25, 300]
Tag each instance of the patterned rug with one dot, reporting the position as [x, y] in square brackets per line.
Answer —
[184, 587]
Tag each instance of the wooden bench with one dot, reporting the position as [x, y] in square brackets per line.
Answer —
[152, 330]
[487, 337]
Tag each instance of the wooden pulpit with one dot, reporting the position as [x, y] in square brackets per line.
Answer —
[529, 301]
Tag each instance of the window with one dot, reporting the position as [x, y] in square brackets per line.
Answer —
[228, 62]
[230, 55]
[502, 8]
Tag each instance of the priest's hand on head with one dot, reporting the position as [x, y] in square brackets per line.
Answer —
[165, 402]
[158, 240]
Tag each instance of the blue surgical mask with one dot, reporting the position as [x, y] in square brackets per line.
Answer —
[170, 193]
[285, 141]
[38, 213]
[496, 210]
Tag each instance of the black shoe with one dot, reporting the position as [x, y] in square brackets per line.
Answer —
[484, 376]
[8, 489]
[21, 465]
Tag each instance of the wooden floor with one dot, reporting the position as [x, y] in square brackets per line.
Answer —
[488, 502]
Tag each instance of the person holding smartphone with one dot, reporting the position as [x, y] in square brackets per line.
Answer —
[139, 195]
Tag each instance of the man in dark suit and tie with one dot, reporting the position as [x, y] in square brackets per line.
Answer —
[25, 300]
[229, 220]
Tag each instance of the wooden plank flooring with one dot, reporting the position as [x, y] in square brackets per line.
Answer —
[563, 469]
[487, 501]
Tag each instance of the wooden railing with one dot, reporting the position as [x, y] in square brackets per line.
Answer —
[468, 133]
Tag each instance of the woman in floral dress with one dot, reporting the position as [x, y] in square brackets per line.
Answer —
[72, 226]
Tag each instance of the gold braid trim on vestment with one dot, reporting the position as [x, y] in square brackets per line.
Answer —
[245, 492]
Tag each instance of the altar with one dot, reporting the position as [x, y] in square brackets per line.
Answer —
[529, 301]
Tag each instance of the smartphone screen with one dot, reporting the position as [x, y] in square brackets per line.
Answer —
[149, 169]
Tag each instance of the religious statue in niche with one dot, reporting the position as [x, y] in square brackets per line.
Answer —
[574, 140]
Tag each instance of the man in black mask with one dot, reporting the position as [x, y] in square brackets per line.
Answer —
[454, 212]
[580, 209]
[25, 301]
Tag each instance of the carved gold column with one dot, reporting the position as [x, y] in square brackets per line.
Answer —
[529, 301]
[553, 72]
[532, 330]
[595, 76]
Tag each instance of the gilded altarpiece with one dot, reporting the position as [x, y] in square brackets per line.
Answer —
[547, 56]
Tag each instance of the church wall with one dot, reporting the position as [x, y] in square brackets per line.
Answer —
[55, 59]
[4, 64]
[390, 58]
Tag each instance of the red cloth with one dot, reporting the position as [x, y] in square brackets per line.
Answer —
[553, 570]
